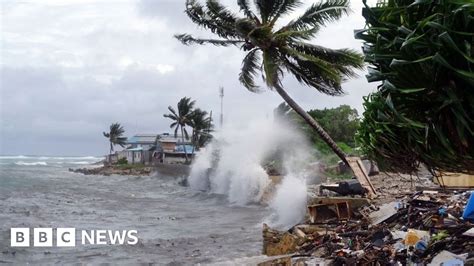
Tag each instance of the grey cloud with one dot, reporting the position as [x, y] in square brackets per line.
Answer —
[66, 75]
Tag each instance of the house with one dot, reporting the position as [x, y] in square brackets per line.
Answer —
[172, 149]
[155, 148]
[145, 141]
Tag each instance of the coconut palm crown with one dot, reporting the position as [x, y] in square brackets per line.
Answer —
[273, 50]
[182, 118]
[115, 136]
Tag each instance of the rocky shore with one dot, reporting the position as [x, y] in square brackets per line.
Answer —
[114, 170]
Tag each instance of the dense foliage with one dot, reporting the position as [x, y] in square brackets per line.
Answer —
[186, 115]
[340, 122]
[423, 112]
[273, 50]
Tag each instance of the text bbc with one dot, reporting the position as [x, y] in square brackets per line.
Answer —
[66, 237]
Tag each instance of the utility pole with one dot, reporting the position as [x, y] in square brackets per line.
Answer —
[221, 94]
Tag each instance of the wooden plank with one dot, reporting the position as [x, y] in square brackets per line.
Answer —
[361, 174]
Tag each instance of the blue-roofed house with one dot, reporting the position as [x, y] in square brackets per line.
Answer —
[156, 148]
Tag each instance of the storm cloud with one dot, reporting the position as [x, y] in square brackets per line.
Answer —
[71, 68]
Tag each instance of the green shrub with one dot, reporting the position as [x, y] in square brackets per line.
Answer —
[122, 161]
[423, 112]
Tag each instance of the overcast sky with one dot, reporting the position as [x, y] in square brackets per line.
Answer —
[71, 68]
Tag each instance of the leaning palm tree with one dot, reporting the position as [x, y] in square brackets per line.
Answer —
[115, 136]
[181, 119]
[273, 50]
[202, 126]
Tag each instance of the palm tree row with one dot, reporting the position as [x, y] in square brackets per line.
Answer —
[272, 50]
[197, 119]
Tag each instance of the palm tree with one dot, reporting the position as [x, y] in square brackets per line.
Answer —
[202, 126]
[115, 136]
[272, 50]
[181, 119]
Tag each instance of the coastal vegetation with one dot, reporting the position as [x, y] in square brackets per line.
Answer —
[272, 50]
[199, 120]
[341, 123]
[422, 53]
[181, 119]
[115, 136]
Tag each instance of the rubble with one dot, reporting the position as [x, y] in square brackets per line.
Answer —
[412, 228]
[113, 170]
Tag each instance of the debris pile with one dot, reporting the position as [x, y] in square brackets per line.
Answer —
[421, 228]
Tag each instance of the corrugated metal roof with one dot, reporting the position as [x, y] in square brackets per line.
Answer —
[142, 139]
[136, 149]
[151, 138]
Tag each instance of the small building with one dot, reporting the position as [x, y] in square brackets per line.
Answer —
[155, 148]
[145, 141]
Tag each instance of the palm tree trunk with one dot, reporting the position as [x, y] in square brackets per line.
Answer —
[193, 141]
[184, 145]
[111, 147]
[310, 120]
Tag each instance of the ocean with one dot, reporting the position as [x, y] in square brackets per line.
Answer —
[176, 225]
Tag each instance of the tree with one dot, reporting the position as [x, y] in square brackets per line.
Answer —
[115, 136]
[202, 126]
[181, 119]
[272, 50]
[423, 112]
[340, 122]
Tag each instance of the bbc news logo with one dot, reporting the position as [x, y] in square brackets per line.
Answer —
[66, 237]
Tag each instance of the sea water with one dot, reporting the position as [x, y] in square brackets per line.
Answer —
[175, 224]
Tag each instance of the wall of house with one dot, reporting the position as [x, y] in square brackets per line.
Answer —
[168, 146]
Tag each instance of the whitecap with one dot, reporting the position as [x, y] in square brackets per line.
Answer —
[82, 162]
[30, 164]
[14, 157]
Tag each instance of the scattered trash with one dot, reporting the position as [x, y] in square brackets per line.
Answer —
[415, 229]
[469, 210]
[345, 188]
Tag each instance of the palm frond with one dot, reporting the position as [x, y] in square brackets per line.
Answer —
[266, 8]
[244, 6]
[325, 69]
[187, 39]
[205, 18]
[346, 61]
[290, 36]
[271, 68]
[320, 14]
[249, 70]
[219, 13]
[186, 135]
[307, 72]
[173, 124]
[176, 131]
[284, 7]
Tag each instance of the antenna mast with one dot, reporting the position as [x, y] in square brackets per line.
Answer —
[221, 95]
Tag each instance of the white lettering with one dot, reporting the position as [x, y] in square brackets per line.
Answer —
[90, 237]
[133, 238]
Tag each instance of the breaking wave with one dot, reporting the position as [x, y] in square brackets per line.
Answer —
[232, 165]
[31, 164]
[83, 162]
[14, 157]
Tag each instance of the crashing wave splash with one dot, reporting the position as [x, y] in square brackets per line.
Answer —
[232, 165]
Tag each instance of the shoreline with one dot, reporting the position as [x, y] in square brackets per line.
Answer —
[173, 170]
[113, 170]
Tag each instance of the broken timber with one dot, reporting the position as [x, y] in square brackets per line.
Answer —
[361, 174]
